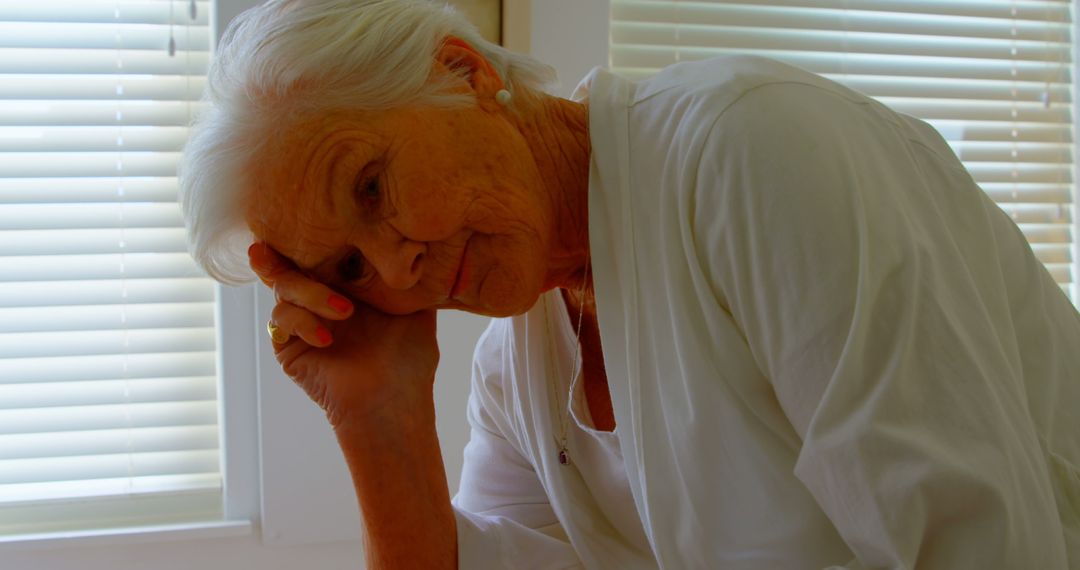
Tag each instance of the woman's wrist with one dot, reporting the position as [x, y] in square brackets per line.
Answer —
[397, 470]
[401, 409]
[379, 427]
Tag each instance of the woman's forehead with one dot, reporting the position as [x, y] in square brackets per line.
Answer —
[291, 202]
[303, 158]
[295, 227]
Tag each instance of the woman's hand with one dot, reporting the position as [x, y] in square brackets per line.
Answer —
[351, 359]
[372, 373]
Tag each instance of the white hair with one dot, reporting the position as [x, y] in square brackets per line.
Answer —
[287, 59]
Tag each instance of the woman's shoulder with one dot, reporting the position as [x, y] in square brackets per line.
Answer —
[709, 87]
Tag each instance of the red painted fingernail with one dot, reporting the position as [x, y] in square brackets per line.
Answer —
[339, 304]
[324, 335]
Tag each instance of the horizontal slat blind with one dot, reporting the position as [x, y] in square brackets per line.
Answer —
[993, 76]
[108, 387]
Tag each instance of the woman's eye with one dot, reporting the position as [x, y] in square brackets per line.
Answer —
[351, 267]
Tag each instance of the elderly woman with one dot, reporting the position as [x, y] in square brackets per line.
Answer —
[745, 318]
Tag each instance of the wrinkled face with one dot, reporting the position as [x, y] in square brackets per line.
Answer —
[409, 209]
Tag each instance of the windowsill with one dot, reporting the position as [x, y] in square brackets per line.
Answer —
[129, 535]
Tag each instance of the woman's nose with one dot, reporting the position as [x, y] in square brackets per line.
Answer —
[399, 264]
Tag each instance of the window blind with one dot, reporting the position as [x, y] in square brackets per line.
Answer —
[994, 77]
[108, 386]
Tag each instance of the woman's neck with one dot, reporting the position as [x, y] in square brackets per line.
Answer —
[557, 132]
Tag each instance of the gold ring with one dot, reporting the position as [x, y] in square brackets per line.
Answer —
[277, 335]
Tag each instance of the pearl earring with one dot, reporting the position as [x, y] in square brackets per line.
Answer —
[503, 97]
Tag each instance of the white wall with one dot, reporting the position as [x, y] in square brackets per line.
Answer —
[571, 35]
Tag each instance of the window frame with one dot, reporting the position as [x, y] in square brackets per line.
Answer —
[216, 526]
[237, 413]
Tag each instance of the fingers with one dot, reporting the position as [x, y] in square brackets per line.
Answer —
[295, 288]
[292, 286]
[300, 322]
[265, 262]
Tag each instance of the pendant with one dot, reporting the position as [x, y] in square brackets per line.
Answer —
[564, 457]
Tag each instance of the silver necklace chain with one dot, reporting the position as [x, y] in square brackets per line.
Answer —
[564, 412]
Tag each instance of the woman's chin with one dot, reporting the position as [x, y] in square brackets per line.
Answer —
[501, 306]
[494, 311]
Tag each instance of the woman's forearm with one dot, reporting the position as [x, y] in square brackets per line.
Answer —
[400, 481]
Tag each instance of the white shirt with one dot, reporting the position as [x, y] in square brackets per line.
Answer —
[825, 347]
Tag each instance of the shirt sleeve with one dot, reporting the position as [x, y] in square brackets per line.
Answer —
[856, 256]
[504, 517]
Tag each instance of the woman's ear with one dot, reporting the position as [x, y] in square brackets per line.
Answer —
[461, 59]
